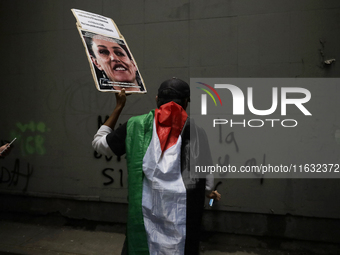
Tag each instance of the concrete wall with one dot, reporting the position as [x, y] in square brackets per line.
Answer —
[49, 101]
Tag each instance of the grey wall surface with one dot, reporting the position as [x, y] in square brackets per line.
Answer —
[49, 101]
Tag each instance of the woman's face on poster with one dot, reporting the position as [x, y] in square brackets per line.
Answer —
[111, 58]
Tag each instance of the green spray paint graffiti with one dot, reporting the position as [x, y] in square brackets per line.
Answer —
[31, 137]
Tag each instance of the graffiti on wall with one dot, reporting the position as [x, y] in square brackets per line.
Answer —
[16, 176]
[109, 173]
[231, 139]
[30, 137]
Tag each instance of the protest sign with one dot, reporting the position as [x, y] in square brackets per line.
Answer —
[112, 64]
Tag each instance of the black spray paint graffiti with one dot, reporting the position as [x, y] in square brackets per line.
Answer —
[111, 180]
[12, 177]
[253, 162]
[98, 156]
[231, 139]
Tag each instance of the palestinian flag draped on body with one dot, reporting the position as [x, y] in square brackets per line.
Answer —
[158, 194]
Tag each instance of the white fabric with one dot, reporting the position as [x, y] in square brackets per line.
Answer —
[164, 198]
[99, 142]
[209, 182]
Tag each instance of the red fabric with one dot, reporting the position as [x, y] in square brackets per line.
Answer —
[170, 119]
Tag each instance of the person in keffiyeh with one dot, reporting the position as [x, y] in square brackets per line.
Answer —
[166, 200]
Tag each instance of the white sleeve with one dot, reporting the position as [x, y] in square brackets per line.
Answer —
[99, 142]
[209, 183]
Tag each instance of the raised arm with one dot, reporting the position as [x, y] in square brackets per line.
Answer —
[99, 142]
[120, 103]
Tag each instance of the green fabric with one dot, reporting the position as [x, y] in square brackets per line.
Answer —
[139, 134]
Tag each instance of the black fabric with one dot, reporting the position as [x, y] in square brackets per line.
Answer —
[116, 140]
[194, 152]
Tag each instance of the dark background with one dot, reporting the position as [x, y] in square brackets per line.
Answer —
[50, 103]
